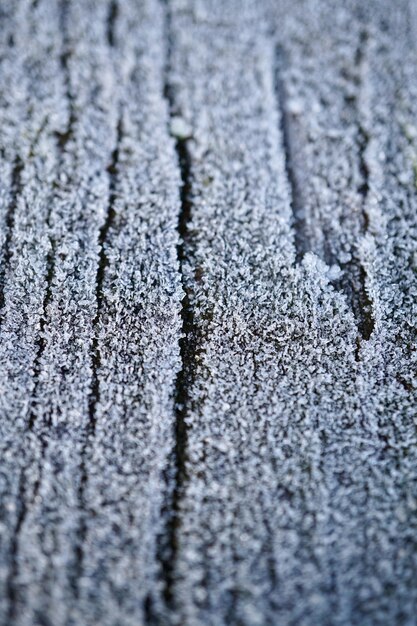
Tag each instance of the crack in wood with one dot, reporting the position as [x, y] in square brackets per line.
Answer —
[296, 201]
[364, 315]
[111, 21]
[167, 553]
[64, 137]
[103, 263]
[353, 282]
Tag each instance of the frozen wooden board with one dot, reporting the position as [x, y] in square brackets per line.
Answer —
[208, 228]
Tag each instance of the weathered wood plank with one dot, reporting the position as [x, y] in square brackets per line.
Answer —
[90, 362]
[287, 506]
[24, 271]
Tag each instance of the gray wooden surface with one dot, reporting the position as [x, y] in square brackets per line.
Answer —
[208, 289]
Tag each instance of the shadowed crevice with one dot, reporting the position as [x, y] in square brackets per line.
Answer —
[362, 302]
[64, 137]
[176, 475]
[301, 242]
[353, 283]
[101, 270]
[111, 22]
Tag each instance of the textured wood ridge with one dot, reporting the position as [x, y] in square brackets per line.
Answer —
[208, 229]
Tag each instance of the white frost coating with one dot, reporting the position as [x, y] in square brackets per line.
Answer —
[297, 503]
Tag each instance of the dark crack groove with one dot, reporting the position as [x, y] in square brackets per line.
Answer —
[15, 192]
[364, 304]
[168, 552]
[111, 21]
[353, 283]
[65, 137]
[298, 222]
[103, 263]
[185, 376]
